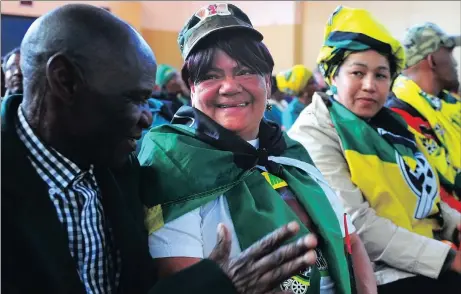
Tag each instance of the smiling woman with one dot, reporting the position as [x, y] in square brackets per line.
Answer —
[229, 165]
[230, 82]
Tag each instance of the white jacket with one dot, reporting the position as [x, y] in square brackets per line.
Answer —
[396, 253]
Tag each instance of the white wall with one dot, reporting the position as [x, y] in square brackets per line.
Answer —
[397, 16]
[172, 15]
[41, 7]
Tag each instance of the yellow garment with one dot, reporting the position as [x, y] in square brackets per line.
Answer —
[445, 120]
[293, 81]
[274, 181]
[351, 30]
[456, 96]
[383, 187]
[394, 177]
[437, 156]
[452, 110]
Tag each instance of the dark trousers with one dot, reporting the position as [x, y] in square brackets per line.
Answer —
[448, 283]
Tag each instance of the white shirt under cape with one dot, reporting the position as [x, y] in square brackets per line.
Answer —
[194, 234]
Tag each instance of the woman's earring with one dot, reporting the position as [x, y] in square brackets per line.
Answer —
[268, 106]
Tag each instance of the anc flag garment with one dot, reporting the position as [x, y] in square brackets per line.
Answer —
[384, 162]
[200, 160]
[427, 143]
[444, 117]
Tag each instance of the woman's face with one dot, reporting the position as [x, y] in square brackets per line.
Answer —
[232, 95]
[176, 85]
[363, 83]
[309, 90]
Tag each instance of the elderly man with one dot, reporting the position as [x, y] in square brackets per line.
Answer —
[13, 73]
[422, 97]
[72, 221]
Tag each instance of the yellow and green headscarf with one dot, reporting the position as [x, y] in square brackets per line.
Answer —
[294, 80]
[351, 30]
[383, 160]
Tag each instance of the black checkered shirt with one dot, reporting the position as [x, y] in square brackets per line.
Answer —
[76, 196]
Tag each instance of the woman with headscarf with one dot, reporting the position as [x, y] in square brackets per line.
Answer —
[229, 165]
[171, 89]
[370, 158]
[299, 83]
[277, 103]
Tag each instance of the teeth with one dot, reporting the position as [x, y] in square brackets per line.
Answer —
[229, 106]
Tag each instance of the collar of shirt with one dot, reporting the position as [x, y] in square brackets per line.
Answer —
[53, 167]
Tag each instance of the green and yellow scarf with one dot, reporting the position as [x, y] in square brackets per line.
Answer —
[444, 116]
[199, 161]
[385, 164]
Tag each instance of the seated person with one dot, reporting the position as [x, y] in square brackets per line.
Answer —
[386, 184]
[161, 115]
[173, 91]
[72, 219]
[13, 73]
[299, 83]
[421, 96]
[276, 104]
[229, 165]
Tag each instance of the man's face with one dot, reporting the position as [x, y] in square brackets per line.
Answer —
[111, 110]
[445, 68]
[13, 74]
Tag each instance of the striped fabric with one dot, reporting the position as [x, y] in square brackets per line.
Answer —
[76, 196]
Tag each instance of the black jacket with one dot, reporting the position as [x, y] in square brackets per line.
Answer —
[35, 253]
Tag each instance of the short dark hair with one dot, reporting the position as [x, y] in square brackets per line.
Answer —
[242, 48]
[8, 55]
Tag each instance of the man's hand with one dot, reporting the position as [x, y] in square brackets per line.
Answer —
[264, 265]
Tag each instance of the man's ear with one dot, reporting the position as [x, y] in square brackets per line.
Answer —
[64, 78]
[431, 61]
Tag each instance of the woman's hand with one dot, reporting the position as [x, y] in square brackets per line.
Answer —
[365, 281]
[264, 265]
[456, 264]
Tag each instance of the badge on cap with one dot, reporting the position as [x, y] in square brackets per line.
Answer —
[213, 9]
